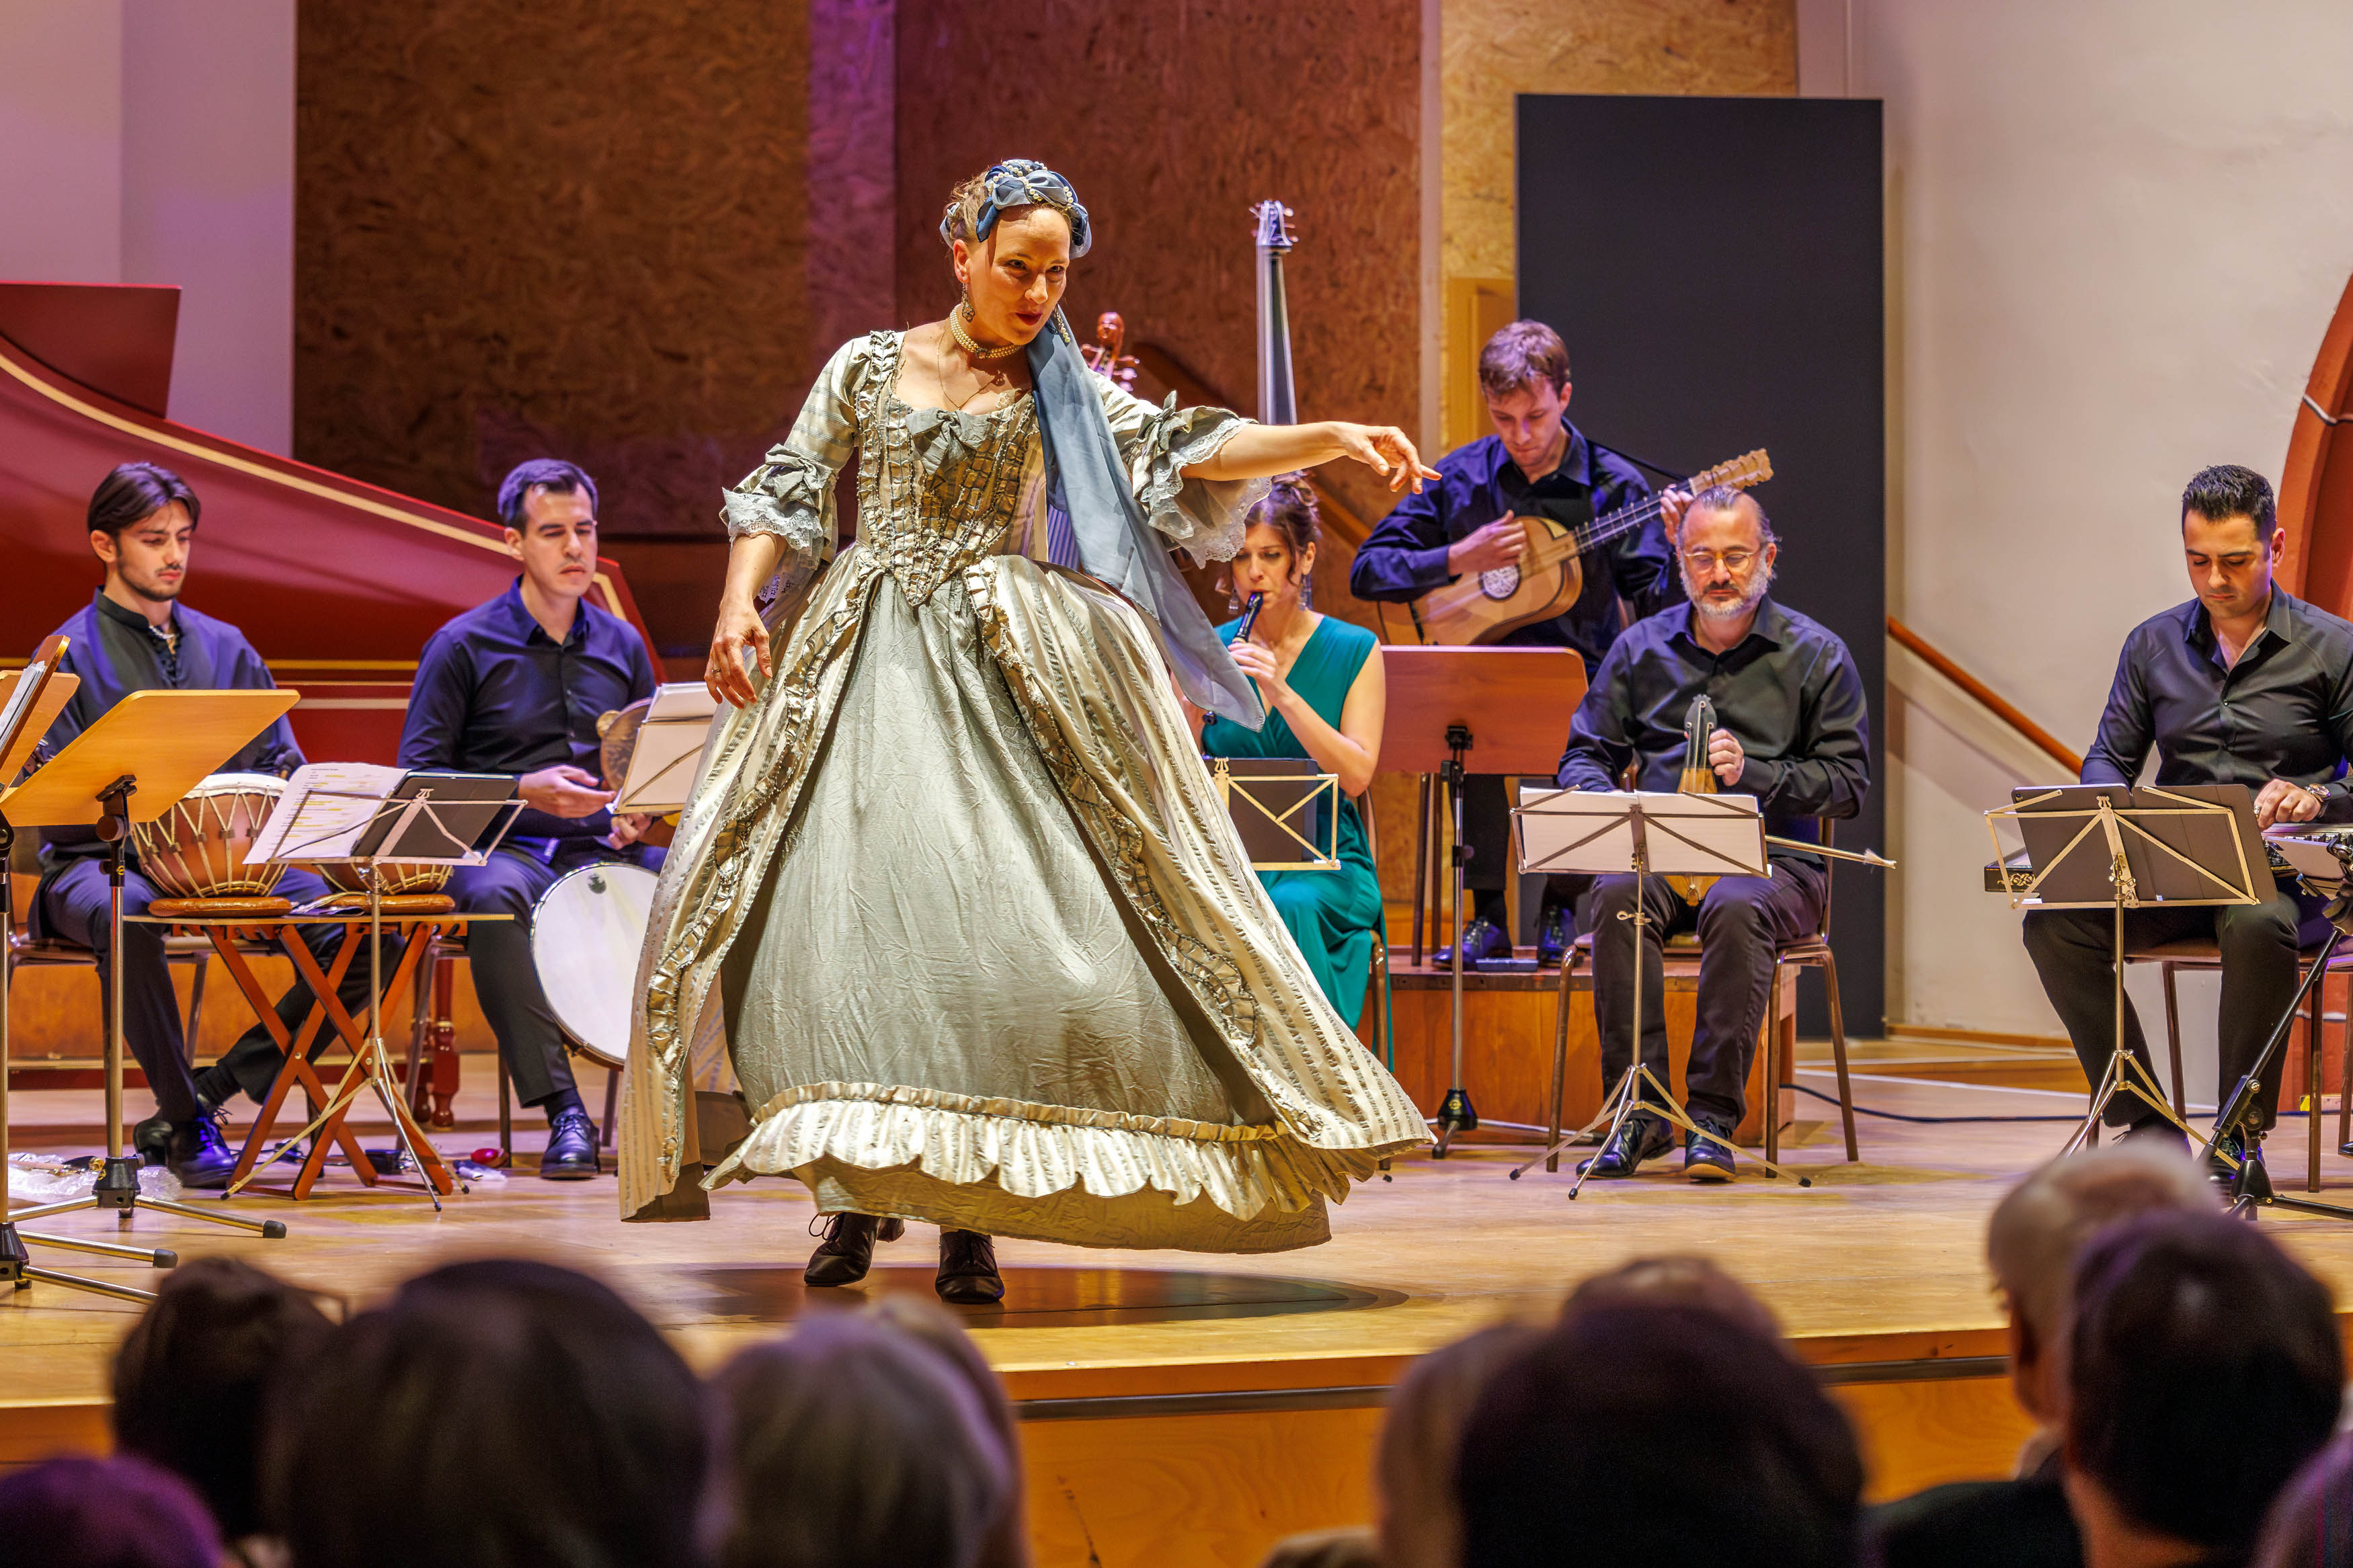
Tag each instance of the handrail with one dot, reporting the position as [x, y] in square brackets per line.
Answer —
[1985, 695]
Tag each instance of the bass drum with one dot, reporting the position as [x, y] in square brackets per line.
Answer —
[586, 932]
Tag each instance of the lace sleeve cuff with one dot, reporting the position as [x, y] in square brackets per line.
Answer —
[1208, 517]
[791, 497]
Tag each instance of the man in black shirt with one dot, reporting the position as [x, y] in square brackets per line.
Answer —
[1793, 731]
[1537, 463]
[2243, 684]
[516, 686]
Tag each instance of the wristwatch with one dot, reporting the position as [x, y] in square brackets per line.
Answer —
[2317, 792]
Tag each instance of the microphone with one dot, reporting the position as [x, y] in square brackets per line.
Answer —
[1250, 615]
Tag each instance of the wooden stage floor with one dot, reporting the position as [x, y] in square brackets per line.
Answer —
[1181, 1409]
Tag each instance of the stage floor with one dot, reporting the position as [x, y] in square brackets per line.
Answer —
[1215, 1376]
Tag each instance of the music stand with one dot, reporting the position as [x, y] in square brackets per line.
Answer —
[665, 757]
[1287, 810]
[1511, 703]
[383, 815]
[1666, 834]
[2193, 845]
[135, 765]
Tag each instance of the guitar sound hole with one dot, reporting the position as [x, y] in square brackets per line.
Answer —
[1500, 583]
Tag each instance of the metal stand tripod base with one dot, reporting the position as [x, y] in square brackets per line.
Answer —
[118, 1190]
[2126, 1075]
[1629, 1100]
[1455, 1115]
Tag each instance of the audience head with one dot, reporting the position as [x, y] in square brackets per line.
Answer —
[549, 509]
[2042, 1224]
[142, 525]
[104, 1513]
[493, 1412]
[2204, 1370]
[933, 1325]
[1657, 1431]
[2311, 1525]
[855, 1444]
[1420, 1524]
[1679, 1278]
[190, 1377]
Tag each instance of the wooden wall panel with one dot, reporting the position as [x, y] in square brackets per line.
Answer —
[1171, 120]
[526, 230]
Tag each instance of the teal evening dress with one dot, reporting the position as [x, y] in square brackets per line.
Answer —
[1331, 914]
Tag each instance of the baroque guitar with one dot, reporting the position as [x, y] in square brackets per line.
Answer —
[1548, 576]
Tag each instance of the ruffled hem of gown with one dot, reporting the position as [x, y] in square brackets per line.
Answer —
[1047, 1173]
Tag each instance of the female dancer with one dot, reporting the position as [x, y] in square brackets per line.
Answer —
[1322, 682]
[985, 948]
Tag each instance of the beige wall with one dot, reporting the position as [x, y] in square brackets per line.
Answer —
[2117, 229]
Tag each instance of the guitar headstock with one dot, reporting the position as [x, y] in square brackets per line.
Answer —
[1749, 468]
[1274, 231]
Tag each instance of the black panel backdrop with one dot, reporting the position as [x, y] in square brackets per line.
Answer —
[1715, 266]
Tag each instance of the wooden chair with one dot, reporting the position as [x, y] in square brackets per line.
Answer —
[189, 952]
[2202, 954]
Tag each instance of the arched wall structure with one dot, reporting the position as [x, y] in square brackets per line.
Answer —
[2315, 493]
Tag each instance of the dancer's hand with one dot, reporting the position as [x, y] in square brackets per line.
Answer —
[739, 631]
[1384, 449]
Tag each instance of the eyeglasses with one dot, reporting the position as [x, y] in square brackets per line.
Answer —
[1734, 561]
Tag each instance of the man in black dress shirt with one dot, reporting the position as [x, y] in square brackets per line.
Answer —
[135, 635]
[516, 686]
[1537, 463]
[1793, 731]
[2243, 684]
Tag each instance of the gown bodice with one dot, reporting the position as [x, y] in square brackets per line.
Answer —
[940, 489]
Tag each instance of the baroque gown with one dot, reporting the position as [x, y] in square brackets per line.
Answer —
[957, 893]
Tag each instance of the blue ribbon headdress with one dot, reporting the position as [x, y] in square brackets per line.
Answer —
[1088, 481]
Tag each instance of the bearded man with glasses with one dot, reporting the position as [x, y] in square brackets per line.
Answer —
[1794, 732]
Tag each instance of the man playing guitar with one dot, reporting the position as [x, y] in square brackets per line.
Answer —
[1470, 522]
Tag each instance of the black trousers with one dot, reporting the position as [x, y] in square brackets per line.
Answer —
[1487, 833]
[2074, 951]
[71, 905]
[499, 953]
[1740, 921]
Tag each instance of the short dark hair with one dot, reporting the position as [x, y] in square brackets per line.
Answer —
[190, 1377]
[104, 1513]
[552, 475]
[1522, 353]
[2204, 1370]
[1580, 1450]
[133, 492]
[2227, 490]
[855, 1444]
[498, 1411]
[1727, 498]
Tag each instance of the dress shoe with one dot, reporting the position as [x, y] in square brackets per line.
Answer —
[151, 1140]
[198, 1154]
[1705, 1159]
[2240, 1147]
[847, 1250]
[1552, 937]
[1481, 939]
[2155, 1132]
[968, 1276]
[1638, 1138]
[571, 1152]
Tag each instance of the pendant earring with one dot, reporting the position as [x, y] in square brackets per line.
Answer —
[1307, 592]
[1234, 599]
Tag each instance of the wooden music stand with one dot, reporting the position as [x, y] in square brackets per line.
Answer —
[133, 766]
[1511, 705]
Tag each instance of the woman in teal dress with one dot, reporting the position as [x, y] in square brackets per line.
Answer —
[1324, 701]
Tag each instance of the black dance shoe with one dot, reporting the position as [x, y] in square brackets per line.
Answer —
[151, 1140]
[1552, 937]
[1482, 939]
[847, 1250]
[968, 1276]
[1638, 1138]
[571, 1152]
[199, 1155]
[1704, 1159]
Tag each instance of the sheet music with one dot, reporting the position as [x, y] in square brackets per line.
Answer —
[667, 761]
[325, 809]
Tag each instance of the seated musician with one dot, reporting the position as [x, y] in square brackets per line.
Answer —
[2243, 684]
[1794, 732]
[1320, 679]
[516, 686]
[1536, 464]
[135, 635]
